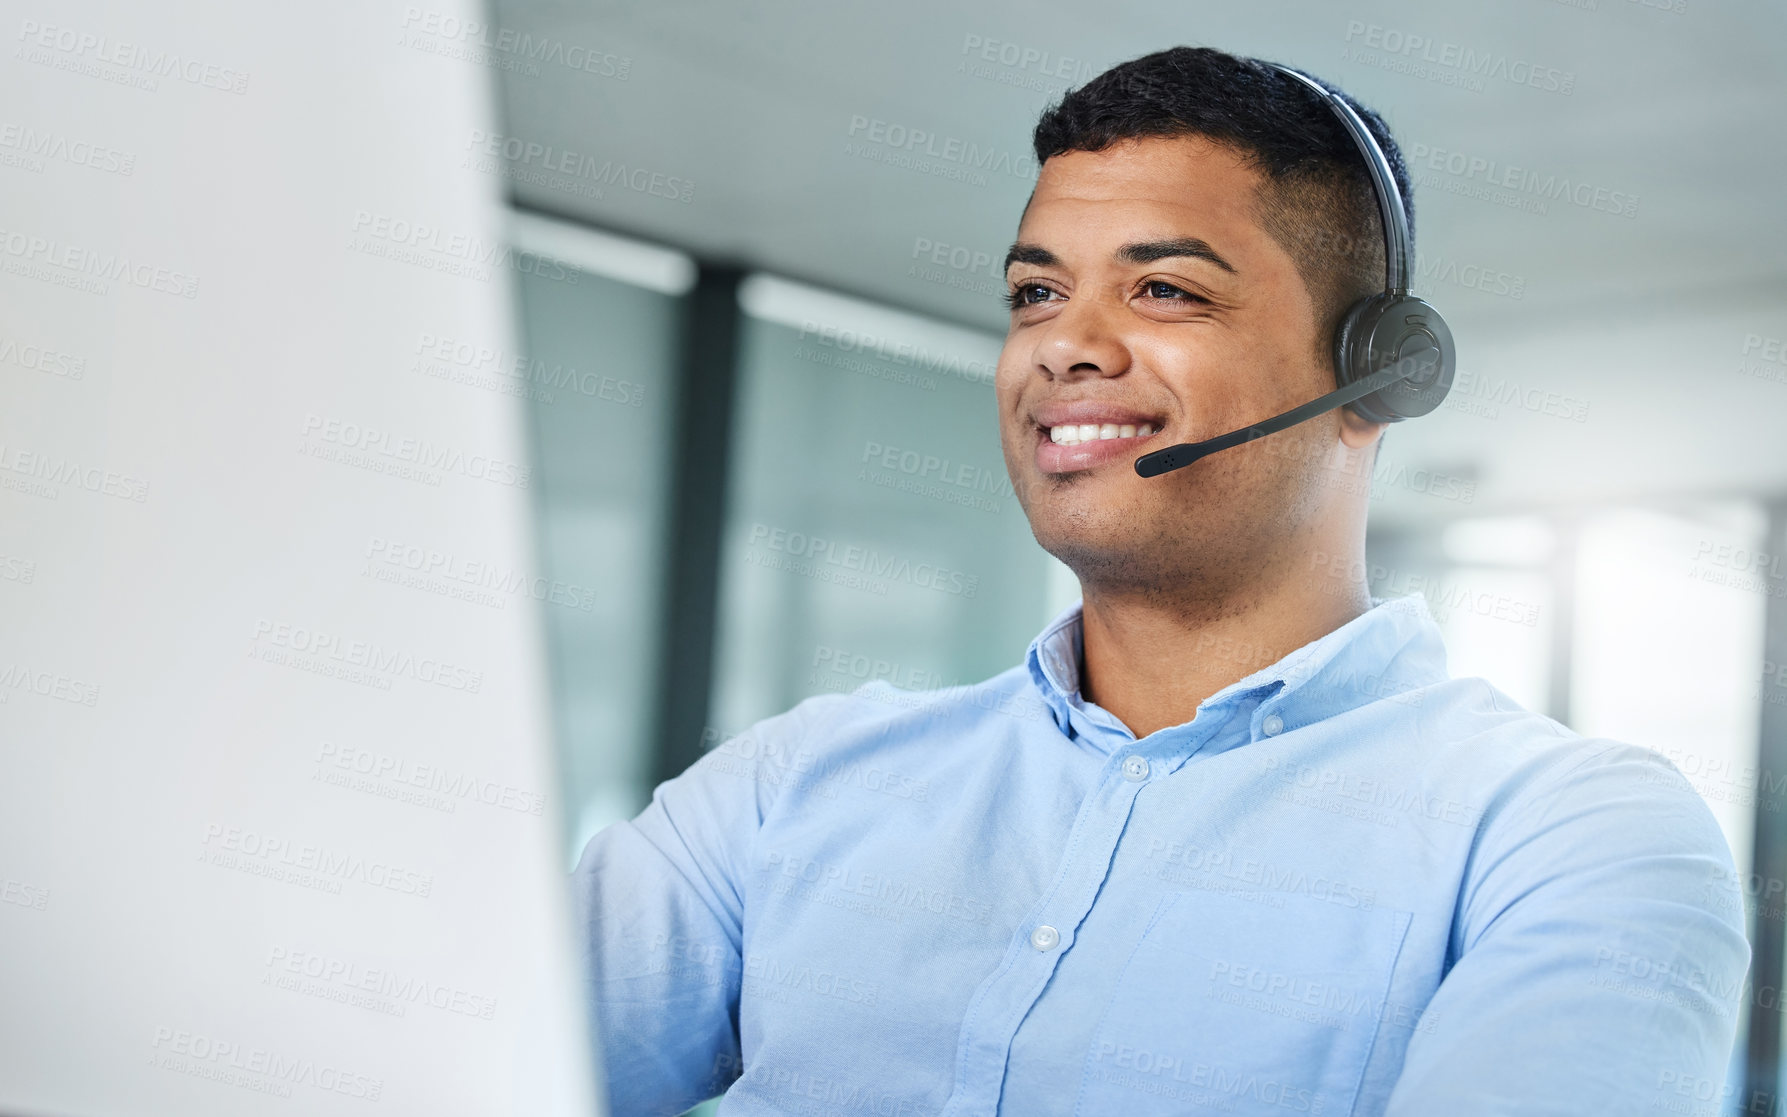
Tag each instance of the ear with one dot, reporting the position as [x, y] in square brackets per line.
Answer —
[1358, 433]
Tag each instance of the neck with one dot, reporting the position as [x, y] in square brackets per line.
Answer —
[1150, 658]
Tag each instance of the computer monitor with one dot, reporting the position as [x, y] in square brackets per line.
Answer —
[279, 830]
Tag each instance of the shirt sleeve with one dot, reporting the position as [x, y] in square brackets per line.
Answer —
[660, 907]
[1600, 953]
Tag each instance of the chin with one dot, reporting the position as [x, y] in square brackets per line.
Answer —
[1089, 535]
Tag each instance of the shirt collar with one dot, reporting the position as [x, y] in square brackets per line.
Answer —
[1392, 648]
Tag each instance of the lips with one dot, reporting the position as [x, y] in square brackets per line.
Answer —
[1074, 436]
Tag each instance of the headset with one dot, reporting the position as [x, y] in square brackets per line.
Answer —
[1393, 354]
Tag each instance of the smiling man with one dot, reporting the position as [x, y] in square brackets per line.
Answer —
[1230, 838]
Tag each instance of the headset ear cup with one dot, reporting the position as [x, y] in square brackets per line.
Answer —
[1386, 328]
[1345, 366]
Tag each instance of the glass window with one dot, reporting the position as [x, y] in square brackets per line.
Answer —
[1668, 637]
[872, 532]
[598, 370]
[1496, 607]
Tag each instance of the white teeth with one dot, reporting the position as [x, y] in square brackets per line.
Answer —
[1075, 433]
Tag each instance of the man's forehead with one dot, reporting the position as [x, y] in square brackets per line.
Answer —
[1170, 174]
[1144, 159]
[1139, 194]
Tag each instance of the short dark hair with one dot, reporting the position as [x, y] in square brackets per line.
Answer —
[1317, 200]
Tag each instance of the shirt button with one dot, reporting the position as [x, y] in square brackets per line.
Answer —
[1135, 769]
[1044, 938]
[1272, 726]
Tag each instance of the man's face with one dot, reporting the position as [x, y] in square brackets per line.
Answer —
[1151, 298]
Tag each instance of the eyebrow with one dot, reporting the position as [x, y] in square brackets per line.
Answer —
[1138, 252]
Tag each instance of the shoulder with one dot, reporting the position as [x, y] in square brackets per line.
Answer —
[1522, 777]
[1553, 804]
[877, 733]
[1468, 725]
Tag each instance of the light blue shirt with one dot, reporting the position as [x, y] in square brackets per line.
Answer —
[1349, 885]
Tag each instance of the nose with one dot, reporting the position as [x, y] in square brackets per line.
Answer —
[1080, 341]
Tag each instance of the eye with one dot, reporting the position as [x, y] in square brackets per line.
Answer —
[1021, 295]
[1157, 289]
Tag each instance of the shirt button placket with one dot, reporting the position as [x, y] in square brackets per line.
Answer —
[1002, 1003]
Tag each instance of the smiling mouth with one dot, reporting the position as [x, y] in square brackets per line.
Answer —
[1073, 434]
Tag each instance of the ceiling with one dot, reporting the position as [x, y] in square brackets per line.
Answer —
[1636, 324]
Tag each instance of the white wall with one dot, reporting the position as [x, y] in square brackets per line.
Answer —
[177, 526]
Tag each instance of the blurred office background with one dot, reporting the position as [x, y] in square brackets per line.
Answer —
[802, 209]
[753, 309]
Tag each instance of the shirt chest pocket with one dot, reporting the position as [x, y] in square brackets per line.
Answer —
[1262, 1003]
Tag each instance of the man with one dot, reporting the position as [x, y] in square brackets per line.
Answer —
[1230, 839]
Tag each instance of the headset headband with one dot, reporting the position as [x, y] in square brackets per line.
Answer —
[1389, 198]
